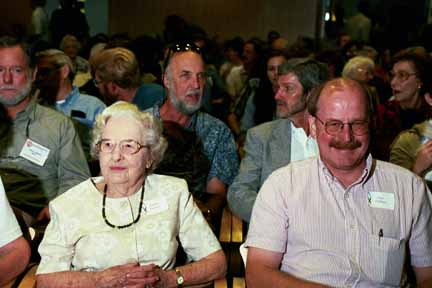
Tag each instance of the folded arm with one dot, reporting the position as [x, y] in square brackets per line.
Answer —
[14, 258]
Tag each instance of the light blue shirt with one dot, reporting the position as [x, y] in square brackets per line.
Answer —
[81, 107]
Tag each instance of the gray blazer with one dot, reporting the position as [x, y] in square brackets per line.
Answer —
[267, 147]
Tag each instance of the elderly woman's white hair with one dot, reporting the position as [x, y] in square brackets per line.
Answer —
[350, 69]
[152, 130]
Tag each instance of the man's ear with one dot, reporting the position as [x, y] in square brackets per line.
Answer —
[34, 73]
[165, 80]
[64, 72]
[428, 98]
[312, 126]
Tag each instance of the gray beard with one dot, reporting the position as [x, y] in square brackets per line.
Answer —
[21, 95]
[182, 107]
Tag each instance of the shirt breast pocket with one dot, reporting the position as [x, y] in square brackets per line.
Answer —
[383, 259]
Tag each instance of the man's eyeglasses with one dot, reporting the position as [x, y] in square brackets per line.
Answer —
[97, 82]
[334, 127]
[401, 75]
[127, 147]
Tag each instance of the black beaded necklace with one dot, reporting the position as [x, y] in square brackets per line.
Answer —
[121, 226]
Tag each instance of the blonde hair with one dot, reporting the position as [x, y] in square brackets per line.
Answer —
[151, 128]
[118, 65]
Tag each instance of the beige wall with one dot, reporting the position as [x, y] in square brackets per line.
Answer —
[14, 13]
[225, 17]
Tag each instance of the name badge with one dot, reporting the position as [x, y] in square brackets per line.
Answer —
[382, 200]
[34, 152]
[155, 206]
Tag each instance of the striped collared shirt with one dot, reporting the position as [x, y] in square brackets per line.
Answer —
[340, 237]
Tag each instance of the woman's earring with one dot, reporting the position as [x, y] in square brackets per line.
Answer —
[148, 165]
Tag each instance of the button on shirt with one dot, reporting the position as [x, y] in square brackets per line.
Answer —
[331, 235]
[302, 146]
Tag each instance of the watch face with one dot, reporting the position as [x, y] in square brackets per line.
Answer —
[180, 280]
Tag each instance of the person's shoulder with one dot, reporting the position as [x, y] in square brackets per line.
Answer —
[154, 177]
[77, 192]
[267, 128]
[86, 98]
[296, 169]
[151, 86]
[210, 120]
[393, 171]
[49, 114]
[167, 185]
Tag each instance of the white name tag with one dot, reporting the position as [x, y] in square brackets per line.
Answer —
[34, 152]
[155, 206]
[382, 200]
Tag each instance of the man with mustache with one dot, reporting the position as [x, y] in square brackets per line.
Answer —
[342, 219]
[40, 151]
[184, 80]
[274, 144]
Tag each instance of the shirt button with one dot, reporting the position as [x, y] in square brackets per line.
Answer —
[353, 227]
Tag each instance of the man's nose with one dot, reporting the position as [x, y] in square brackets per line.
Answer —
[196, 82]
[346, 134]
[7, 76]
[278, 94]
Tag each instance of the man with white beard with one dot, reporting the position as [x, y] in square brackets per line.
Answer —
[40, 152]
[184, 79]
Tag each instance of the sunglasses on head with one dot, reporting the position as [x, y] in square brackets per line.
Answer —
[180, 47]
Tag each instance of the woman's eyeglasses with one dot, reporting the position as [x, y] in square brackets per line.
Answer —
[401, 75]
[127, 147]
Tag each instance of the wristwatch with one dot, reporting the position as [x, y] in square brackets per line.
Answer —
[180, 279]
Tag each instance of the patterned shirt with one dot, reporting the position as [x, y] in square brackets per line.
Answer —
[344, 237]
[77, 237]
[218, 144]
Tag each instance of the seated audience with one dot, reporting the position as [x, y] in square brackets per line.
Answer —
[121, 229]
[14, 249]
[39, 145]
[274, 144]
[342, 219]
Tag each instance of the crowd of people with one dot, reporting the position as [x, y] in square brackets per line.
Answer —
[122, 152]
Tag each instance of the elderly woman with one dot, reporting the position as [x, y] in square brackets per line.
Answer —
[121, 229]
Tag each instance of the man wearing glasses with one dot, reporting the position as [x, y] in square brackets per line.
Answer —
[185, 80]
[342, 219]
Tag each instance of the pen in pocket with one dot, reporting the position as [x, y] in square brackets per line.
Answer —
[380, 235]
